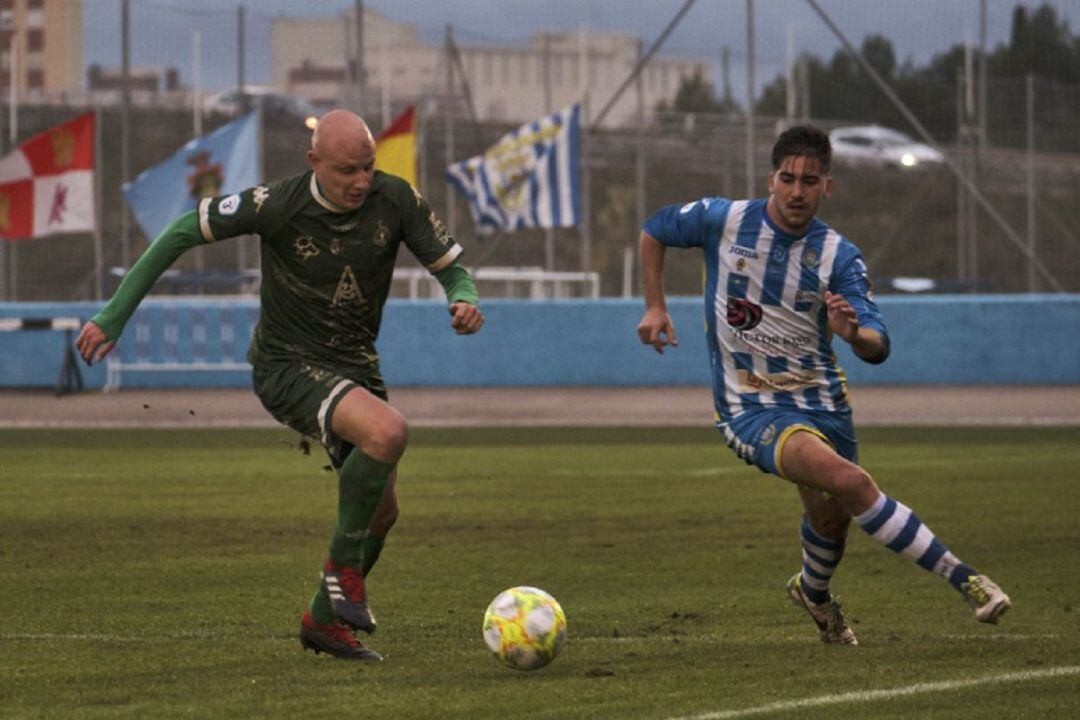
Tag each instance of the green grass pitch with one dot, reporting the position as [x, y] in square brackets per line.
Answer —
[162, 574]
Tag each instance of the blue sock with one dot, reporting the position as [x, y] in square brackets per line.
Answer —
[820, 558]
[895, 526]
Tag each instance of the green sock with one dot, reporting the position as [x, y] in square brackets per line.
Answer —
[370, 551]
[361, 482]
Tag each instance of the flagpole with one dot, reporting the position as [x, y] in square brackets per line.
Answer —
[451, 215]
[13, 137]
[99, 252]
[583, 85]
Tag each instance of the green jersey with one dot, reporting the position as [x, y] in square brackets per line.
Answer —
[326, 271]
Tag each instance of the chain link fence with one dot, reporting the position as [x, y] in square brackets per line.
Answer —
[922, 224]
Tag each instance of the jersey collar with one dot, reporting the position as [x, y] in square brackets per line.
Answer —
[317, 195]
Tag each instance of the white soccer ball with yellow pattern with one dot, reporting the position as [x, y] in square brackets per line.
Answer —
[524, 627]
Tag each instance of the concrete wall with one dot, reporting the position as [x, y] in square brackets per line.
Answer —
[993, 339]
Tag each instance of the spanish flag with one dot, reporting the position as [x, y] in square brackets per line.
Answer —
[395, 147]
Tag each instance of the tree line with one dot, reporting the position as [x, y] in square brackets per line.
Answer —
[1040, 44]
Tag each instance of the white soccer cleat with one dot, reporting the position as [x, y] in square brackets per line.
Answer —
[827, 616]
[988, 600]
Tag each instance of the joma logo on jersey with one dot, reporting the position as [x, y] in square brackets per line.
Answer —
[743, 252]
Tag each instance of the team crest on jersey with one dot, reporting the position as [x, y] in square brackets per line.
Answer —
[259, 196]
[348, 290]
[382, 236]
[810, 260]
[305, 247]
[768, 435]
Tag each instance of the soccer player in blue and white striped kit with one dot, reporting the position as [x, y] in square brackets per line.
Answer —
[780, 283]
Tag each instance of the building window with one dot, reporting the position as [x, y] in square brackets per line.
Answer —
[35, 40]
[35, 78]
[34, 4]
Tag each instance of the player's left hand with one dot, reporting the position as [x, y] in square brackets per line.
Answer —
[842, 318]
[466, 319]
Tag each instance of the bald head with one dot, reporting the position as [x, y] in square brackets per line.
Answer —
[340, 126]
[342, 155]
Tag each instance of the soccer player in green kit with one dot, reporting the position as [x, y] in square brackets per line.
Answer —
[330, 237]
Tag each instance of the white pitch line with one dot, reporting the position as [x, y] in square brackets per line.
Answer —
[872, 695]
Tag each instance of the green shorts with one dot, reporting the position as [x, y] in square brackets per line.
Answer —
[304, 398]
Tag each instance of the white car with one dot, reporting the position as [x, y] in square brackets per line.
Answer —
[274, 103]
[876, 146]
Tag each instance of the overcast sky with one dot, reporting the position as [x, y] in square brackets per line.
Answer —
[162, 30]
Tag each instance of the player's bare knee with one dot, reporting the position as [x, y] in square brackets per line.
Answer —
[388, 439]
[855, 485]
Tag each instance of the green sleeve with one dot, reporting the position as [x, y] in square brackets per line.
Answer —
[458, 284]
[182, 234]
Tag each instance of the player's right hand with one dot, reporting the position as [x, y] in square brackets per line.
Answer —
[92, 343]
[657, 329]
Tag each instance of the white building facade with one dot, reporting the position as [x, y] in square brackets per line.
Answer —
[314, 58]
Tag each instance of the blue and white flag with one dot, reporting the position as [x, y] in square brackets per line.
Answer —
[529, 179]
[225, 161]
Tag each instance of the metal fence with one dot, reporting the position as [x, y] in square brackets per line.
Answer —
[926, 224]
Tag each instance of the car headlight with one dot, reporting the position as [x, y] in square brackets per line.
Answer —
[909, 160]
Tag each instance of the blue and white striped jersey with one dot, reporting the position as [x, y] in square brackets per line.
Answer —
[768, 333]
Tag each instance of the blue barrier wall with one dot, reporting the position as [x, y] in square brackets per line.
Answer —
[993, 339]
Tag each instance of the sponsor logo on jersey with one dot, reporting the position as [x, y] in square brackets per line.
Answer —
[743, 252]
[772, 340]
[740, 264]
[305, 247]
[348, 290]
[778, 253]
[381, 238]
[344, 228]
[768, 434]
[335, 246]
[229, 205]
[260, 195]
[742, 314]
[776, 382]
[806, 296]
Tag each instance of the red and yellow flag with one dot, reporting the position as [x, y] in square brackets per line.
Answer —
[47, 183]
[395, 147]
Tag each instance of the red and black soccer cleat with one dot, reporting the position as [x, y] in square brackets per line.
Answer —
[335, 639]
[348, 598]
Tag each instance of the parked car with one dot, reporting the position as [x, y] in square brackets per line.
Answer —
[274, 103]
[876, 146]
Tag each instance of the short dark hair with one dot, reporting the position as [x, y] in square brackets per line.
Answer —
[803, 140]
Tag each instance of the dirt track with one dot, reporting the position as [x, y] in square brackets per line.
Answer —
[688, 406]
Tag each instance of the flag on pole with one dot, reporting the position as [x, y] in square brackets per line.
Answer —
[223, 162]
[47, 183]
[395, 147]
[529, 179]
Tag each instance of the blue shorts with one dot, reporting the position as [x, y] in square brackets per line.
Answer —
[758, 436]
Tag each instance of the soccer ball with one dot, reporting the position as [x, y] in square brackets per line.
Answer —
[524, 627]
